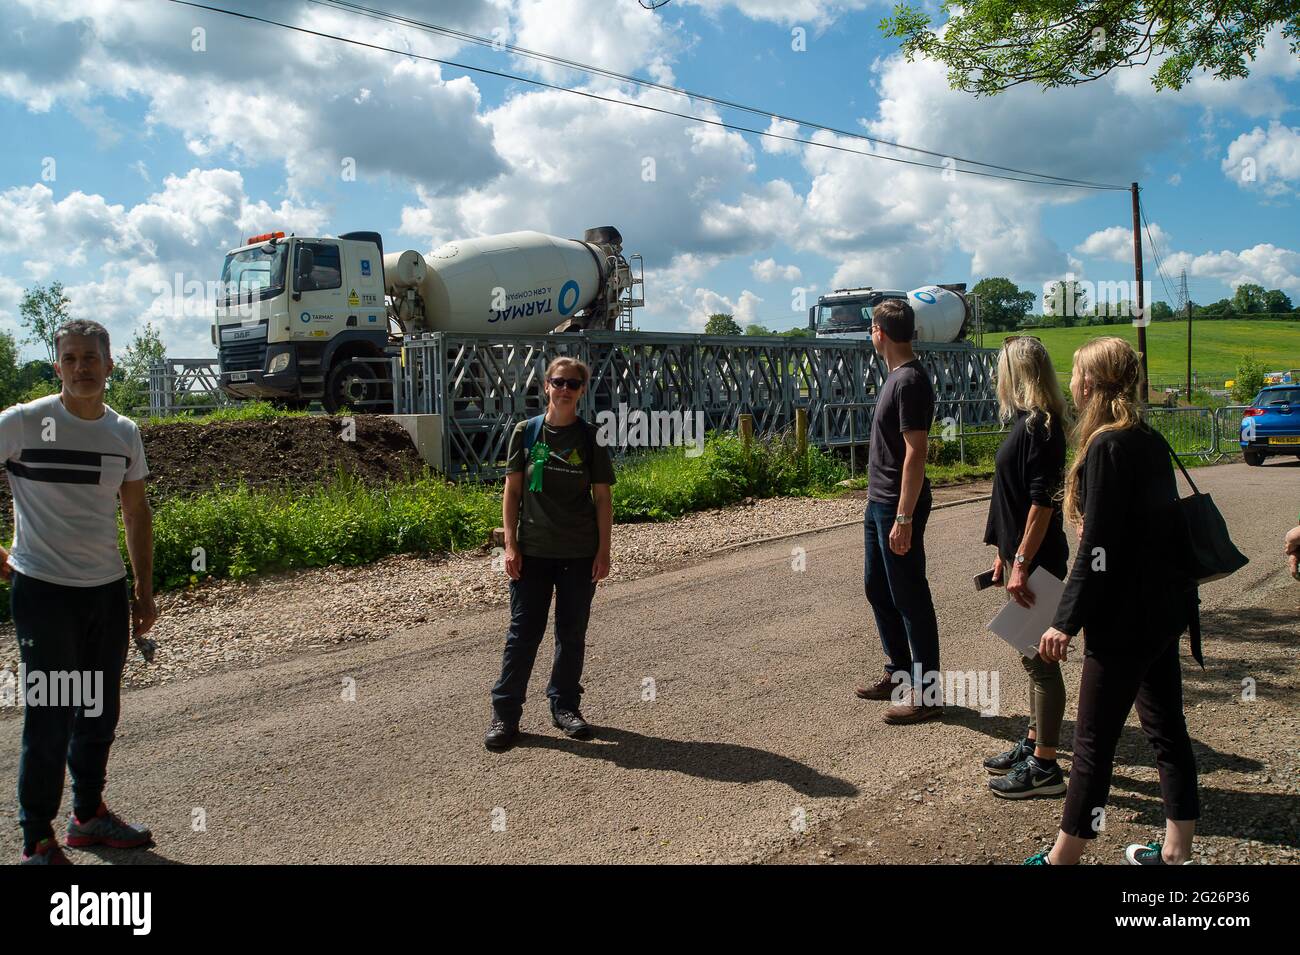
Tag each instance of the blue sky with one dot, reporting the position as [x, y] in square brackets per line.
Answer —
[164, 154]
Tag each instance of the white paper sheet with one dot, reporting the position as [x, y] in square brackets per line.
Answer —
[1023, 627]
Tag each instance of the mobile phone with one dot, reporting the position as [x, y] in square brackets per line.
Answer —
[984, 580]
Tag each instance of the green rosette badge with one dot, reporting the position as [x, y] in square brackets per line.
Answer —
[541, 451]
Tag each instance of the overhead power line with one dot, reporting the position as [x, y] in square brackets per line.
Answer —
[1160, 269]
[644, 106]
[554, 60]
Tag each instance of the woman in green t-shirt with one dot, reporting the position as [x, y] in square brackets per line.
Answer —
[558, 517]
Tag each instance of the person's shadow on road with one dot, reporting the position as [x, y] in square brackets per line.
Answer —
[724, 762]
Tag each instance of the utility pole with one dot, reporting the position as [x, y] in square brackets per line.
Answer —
[1141, 310]
[1185, 303]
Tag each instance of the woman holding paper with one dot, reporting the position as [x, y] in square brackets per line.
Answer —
[1024, 523]
[1132, 595]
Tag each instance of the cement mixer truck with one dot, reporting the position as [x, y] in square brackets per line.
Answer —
[943, 312]
[301, 319]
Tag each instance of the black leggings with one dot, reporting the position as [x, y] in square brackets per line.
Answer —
[1111, 684]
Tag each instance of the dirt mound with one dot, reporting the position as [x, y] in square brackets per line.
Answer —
[291, 452]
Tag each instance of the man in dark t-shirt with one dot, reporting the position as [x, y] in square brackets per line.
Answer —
[898, 506]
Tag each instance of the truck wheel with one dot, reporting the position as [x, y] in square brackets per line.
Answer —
[1253, 458]
[350, 383]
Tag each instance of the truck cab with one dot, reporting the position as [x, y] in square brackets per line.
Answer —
[846, 313]
[301, 319]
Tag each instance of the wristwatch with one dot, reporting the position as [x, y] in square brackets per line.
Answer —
[1020, 559]
[902, 518]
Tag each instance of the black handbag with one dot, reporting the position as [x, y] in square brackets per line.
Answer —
[1213, 554]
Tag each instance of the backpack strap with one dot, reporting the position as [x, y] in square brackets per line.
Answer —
[532, 431]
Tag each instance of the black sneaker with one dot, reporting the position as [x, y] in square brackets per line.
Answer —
[571, 721]
[1001, 764]
[1148, 854]
[1026, 781]
[501, 735]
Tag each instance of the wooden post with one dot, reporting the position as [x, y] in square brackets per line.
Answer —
[801, 431]
[1143, 386]
[746, 422]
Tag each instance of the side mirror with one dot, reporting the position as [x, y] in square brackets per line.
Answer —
[812, 319]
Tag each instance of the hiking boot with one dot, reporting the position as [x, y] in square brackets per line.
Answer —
[106, 828]
[571, 721]
[47, 852]
[882, 689]
[902, 714]
[1148, 854]
[500, 735]
[1026, 781]
[1038, 858]
[1002, 763]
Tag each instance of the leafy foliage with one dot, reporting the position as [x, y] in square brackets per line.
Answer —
[992, 45]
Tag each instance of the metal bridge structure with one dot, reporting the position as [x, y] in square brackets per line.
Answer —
[483, 385]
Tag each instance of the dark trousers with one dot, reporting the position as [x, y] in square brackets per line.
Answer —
[64, 630]
[530, 602]
[899, 593]
[1111, 684]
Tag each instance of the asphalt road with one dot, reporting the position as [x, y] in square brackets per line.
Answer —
[752, 726]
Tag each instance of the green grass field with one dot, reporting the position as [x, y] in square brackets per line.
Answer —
[1217, 346]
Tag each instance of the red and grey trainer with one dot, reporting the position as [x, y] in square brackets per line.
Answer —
[47, 852]
[106, 828]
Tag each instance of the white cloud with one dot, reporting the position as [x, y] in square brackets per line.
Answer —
[706, 302]
[255, 93]
[1264, 264]
[781, 147]
[768, 271]
[1116, 243]
[816, 13]
[177, 236]
[1266, 160]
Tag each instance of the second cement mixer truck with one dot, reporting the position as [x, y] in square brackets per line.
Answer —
[943, 312]
[302, 319]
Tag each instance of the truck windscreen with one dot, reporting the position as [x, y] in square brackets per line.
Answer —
[253, 275]
[844, 317]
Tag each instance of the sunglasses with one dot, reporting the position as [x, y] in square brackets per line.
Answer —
[573, 384]
[1012, 338]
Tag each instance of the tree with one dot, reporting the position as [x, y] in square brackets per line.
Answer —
[1162, 312]
[36, 379]
[1223, 308]
[1249, 380]
[721, 323]
[757, 329]
[1002, 305]
[128, 386]
[992, 45]
[1275, 300]
[42, 310]
[1066, 300]
[1248, 298]
[9, 374]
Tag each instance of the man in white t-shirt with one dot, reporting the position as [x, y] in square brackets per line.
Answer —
[69, 459]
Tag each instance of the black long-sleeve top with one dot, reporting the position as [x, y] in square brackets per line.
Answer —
[1029, 469]
[1130, 582]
